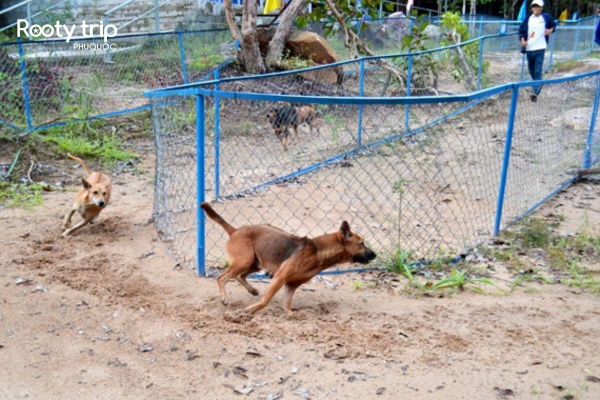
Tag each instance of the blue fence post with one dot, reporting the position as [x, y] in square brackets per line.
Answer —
[182, 55]
[217, 138]
[481, 26]
[25, 87]
[361, 85]
[508, 144]
[480, 70]
[552, 45]
[201, 219]
[576, 40]
[587, 158]
[408, 79]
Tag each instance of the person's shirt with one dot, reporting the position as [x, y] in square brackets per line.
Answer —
[536, 39]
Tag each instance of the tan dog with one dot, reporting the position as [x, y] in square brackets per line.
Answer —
[281, 119]
[92, 198]
[291, 260]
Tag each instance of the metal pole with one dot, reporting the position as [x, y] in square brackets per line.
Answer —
[480, 70]
[380, 10]
[182, 56]
[361, 84]
[481, 26]
[25, 87]
[217, 137]
[408, 79]
[201, 218]
[587, 158]
[508, 144]
[552, 45]
[156, 17]
[107, 56]
[576, 39]
[29, 14]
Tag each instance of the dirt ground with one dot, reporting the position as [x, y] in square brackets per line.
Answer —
[108, 314]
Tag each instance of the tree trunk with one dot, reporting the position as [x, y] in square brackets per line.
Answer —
[473, 6]
[283, 31]
[233, 28]
[253, 61]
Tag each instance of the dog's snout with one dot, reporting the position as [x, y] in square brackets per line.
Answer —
[101, 204]
[371, 255]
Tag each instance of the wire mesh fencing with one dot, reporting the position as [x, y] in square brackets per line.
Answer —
[51, 82]
[87, 78]
[433, 174]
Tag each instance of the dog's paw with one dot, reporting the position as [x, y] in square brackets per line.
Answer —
[224, 302]
[254, 292]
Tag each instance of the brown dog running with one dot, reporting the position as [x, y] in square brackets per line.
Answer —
[282, 118]
[92, 198]
[291, 260]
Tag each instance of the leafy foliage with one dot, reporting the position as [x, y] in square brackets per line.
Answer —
[454, 33]
[424, 71]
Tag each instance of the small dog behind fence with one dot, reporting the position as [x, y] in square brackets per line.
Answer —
[282, 118]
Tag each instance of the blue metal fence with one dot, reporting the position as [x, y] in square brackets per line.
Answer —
[460, 167]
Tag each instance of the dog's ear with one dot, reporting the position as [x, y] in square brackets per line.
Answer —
[345, 229]
[86, 184]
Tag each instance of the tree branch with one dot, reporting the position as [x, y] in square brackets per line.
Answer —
[283, 31]
[353, 42]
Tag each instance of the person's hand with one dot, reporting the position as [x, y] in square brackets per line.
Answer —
[523, 43]
[548, 32]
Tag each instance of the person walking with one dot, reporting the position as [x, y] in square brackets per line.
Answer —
[533, 33]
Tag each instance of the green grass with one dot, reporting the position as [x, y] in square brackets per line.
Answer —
[401, 264]
[87, 141]
[19, 195]
[459, 280]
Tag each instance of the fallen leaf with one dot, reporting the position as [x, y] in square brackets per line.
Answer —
[253, 351]
[240, 371]
[504, 392]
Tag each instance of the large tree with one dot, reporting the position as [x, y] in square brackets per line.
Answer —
[331, 12]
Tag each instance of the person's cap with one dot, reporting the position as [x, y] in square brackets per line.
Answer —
[537, 3]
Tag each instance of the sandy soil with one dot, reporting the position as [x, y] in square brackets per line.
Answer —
[108, 314]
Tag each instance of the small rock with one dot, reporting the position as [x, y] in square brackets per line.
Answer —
[275, 396]
[303, 393]
[380, 391]
[146, 347]
[240, 371]
[192, 355]
[40, 288]
[21, 281]
[147, 254]
[294, 370]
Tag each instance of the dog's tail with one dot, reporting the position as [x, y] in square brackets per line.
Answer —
[81, 162]
[217, 218]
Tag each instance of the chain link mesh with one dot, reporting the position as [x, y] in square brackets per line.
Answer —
[66, 82]
[431, 187]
